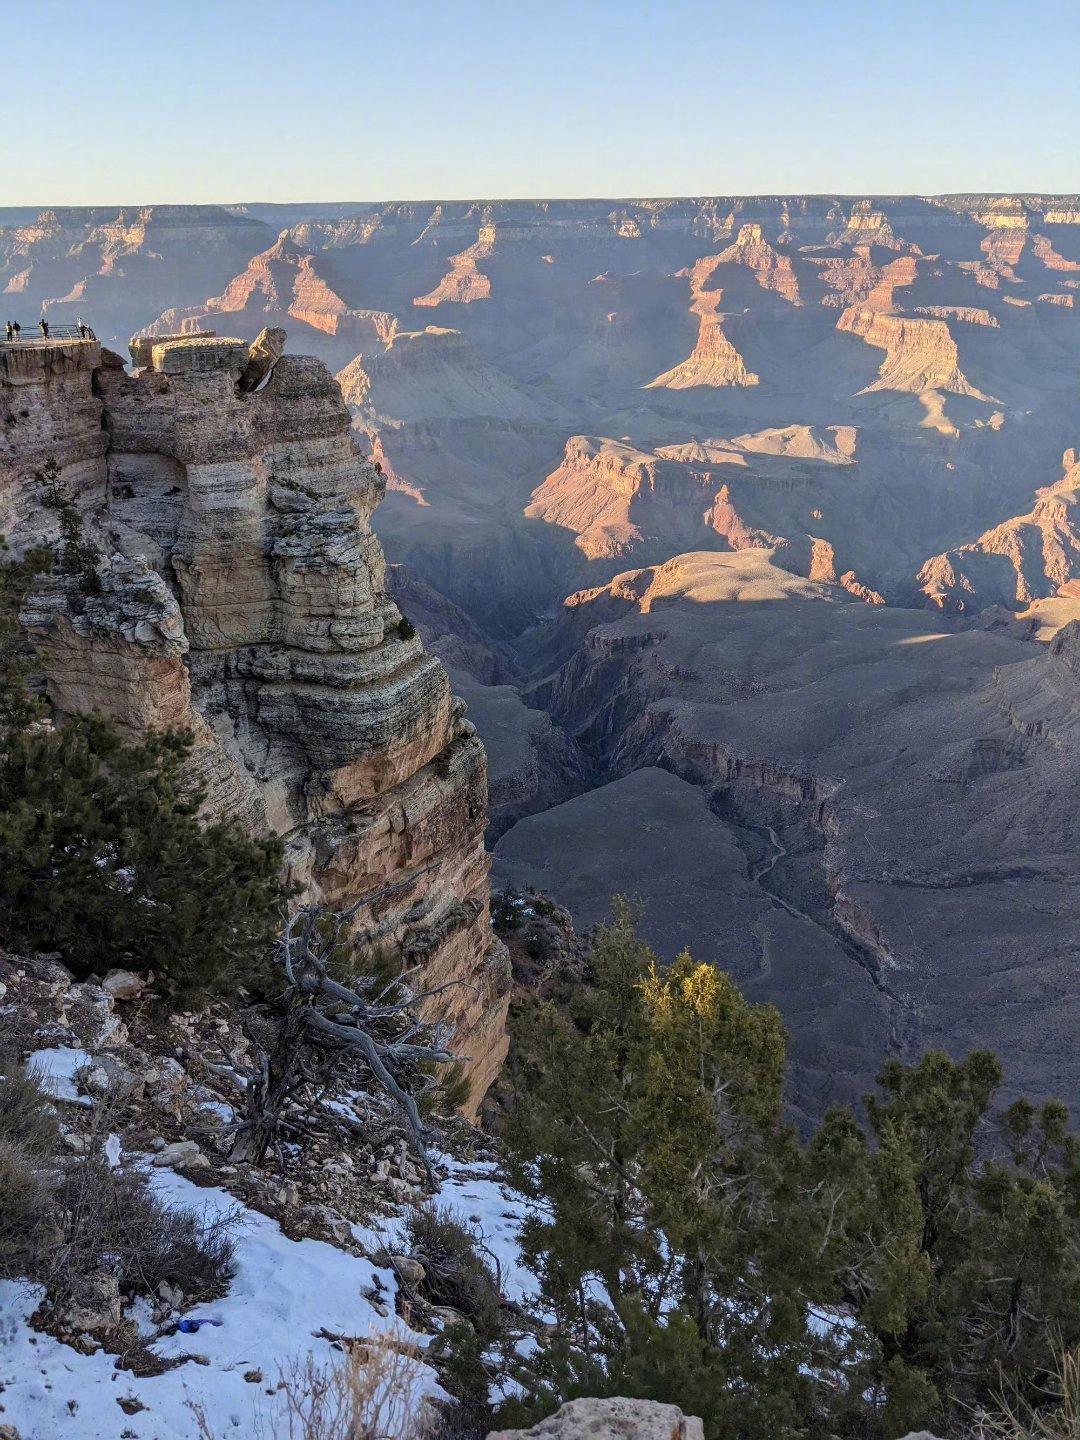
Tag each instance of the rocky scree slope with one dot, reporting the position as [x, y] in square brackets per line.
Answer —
[319, 1264]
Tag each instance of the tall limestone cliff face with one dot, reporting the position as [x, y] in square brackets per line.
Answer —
[243, 596]
[48, 410]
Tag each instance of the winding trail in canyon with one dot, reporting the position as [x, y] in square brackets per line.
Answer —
[762, 868]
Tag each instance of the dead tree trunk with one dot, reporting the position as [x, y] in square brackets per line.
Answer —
[318, 1015]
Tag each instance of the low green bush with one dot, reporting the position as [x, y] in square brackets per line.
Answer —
[68, 1219]
[458, 1275]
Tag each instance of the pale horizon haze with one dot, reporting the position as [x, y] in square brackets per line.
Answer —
[127, 103]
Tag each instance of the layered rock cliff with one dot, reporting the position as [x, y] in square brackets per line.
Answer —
[464, 283]
[243, 596]
[284, 285]
[920, 354]
[432, 374]
[1028, 557]
[714, 360]
[771, 270]
[620, 500]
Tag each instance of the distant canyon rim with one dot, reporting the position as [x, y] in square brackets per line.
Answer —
[747, 529]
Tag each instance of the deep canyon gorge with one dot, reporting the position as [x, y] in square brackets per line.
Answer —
[745, 528]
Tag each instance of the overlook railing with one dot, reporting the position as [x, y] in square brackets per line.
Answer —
[31, 335]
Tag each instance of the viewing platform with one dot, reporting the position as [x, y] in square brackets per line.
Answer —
[37, 359]
[31, 335]
[33, 358]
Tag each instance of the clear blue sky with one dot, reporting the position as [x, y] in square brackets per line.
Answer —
[223, 100]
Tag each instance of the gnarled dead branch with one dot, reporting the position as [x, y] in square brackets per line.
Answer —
[319, 1014]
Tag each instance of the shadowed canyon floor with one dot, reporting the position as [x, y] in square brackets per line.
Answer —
[745, 527]
[866, 815]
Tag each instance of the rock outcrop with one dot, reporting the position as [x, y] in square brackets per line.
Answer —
[771, 269]
[464, 283]
[611, 1420]
[1026, 558]
[823, 568]
[714, 360]
[620, 500]
[969, 314]
[868, 224]
[919, 354]
[284, 285]
[48, 411]
[802, 442]
[242, 595]
[1043, 248]
[854, 279]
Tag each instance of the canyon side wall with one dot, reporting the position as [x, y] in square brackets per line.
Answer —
[241, 594]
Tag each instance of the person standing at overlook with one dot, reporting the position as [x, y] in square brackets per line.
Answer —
[43, 324]
[10, 332]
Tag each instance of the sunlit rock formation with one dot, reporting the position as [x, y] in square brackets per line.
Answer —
[772, 270]
[464, 282]
[283, 285]
[748, 492]
[714, 360]
[919, 354]
[1027, 558]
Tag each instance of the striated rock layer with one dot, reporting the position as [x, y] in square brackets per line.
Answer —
[754, 491]
[919, 354]
[243, 596]
[714, 360]
[284, 284]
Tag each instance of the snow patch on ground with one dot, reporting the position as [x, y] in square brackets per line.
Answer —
[55, 1072]
[481, 1197]
[284, 1292]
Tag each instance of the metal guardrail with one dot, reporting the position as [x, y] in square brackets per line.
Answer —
[31, 335]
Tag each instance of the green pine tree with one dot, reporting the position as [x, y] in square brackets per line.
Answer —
[886, 1274]
[675, 1254]
[968, 1274]
[102, 857]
